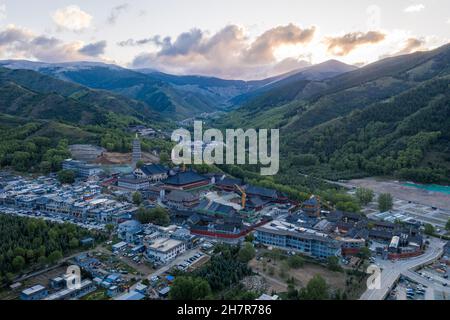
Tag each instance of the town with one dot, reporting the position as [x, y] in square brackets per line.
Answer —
[164, 221]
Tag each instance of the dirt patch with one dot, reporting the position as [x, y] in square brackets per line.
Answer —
[399, 191]
[272, 273]
[115, 158]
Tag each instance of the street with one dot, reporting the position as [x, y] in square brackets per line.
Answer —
[391, 271]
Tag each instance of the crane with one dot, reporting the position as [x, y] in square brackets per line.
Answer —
[243, 196]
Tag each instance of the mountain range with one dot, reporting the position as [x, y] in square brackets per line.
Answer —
[337, 121]
[176, 97]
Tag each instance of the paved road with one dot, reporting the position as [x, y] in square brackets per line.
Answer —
[391, 271]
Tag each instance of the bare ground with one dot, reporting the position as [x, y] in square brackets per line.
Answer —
[398, 191]
[336, 280]
[116, 158]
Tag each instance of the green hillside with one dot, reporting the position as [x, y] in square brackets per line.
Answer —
[388, 118]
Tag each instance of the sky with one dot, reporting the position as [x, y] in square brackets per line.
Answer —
[233, 39]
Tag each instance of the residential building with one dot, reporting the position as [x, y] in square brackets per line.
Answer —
[81, 168]
[128, 231]
[86, 287]
[165, 249]
[37, 292]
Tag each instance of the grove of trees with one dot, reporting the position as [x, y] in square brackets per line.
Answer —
[26, 243]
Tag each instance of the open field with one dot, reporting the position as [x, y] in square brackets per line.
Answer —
[276, 281]
[407, 193]
[116, 158]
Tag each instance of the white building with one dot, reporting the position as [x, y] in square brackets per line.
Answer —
[165, 249]
[152, 172]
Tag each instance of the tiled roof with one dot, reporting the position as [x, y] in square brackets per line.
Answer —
[153, 169]
[263, 192]
[184, 178]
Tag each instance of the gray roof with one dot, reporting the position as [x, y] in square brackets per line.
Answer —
[184, 178]
[153, 169]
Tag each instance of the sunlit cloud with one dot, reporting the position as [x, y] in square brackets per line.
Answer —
[228, 53]
[343, 45]
[72, 18]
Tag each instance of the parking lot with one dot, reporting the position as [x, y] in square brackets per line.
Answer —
[408, 290]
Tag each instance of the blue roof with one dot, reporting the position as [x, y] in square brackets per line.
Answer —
[132, 295]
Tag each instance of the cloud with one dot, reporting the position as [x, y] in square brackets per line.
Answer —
[20, 43]
[414, 8]
[342, 46]
[2, 11]
[410, 45]
[261, 50]
[228, 53]
[72, 18]
[152, 40]
[116, 12]
[94, 49]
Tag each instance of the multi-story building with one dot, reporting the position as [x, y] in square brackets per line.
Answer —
[128, 231]
[81, 168]
[287, 236]
[165, 249]
[38, 292]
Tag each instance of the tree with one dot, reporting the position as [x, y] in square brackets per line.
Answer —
[140, 164]
[429, 229]
[385, 202]
[316, 289]
[66, 176]
[296, 262]
[74, 243]
[364, 253]
[158, 216]
[365, 196]
[137, 198]
[246, 253]
[333, 263]
[18, 263]
[54, 256]
[250, 238]
[189, 288]
[447, 226]
[110, 228]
